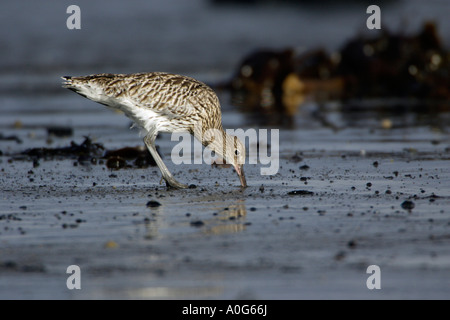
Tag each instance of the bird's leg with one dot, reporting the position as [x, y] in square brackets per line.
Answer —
[149, 141]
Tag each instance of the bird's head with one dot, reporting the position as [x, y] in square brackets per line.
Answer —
[230, 149]
[235, 155]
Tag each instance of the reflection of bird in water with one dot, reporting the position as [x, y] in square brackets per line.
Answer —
[162, 102]
[232, 214]
[230, 219]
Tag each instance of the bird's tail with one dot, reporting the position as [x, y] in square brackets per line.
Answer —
[83, 86]
[73, 84]
[67, 83]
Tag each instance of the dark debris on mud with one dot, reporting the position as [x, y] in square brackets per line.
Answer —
[81, 151]
[89, 152]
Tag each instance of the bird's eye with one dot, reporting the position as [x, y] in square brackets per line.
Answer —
[236, 152]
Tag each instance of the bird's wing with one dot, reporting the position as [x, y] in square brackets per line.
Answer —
[169, 94]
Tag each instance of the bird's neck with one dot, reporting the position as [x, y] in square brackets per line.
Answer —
[209, 134]
[215, 138]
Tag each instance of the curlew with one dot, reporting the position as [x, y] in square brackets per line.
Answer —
[163, 102]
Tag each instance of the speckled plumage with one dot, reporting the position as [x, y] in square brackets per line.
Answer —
[164, 102]
[178, 98]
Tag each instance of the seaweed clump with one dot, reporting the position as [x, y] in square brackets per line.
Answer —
[389, 65]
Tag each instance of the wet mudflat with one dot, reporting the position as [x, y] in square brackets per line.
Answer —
[343, 199]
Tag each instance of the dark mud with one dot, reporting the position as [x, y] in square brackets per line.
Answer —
[341, 201]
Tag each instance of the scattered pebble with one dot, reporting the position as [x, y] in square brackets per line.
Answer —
[61, 132]
[408, 205]
[351, 244]
[300, 193]
[197, 223]
[153, 204]
[9, 216]
[71, 226]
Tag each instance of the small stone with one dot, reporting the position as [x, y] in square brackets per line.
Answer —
[408, 205]
[153, 204]
[60, 131]
[197, 223]
[351, 244]
[300, 193]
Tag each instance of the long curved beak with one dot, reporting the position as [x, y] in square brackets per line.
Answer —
[240, 171]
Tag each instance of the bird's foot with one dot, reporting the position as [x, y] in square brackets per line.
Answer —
[172, 183]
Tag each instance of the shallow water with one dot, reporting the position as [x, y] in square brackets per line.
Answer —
[216, 240]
